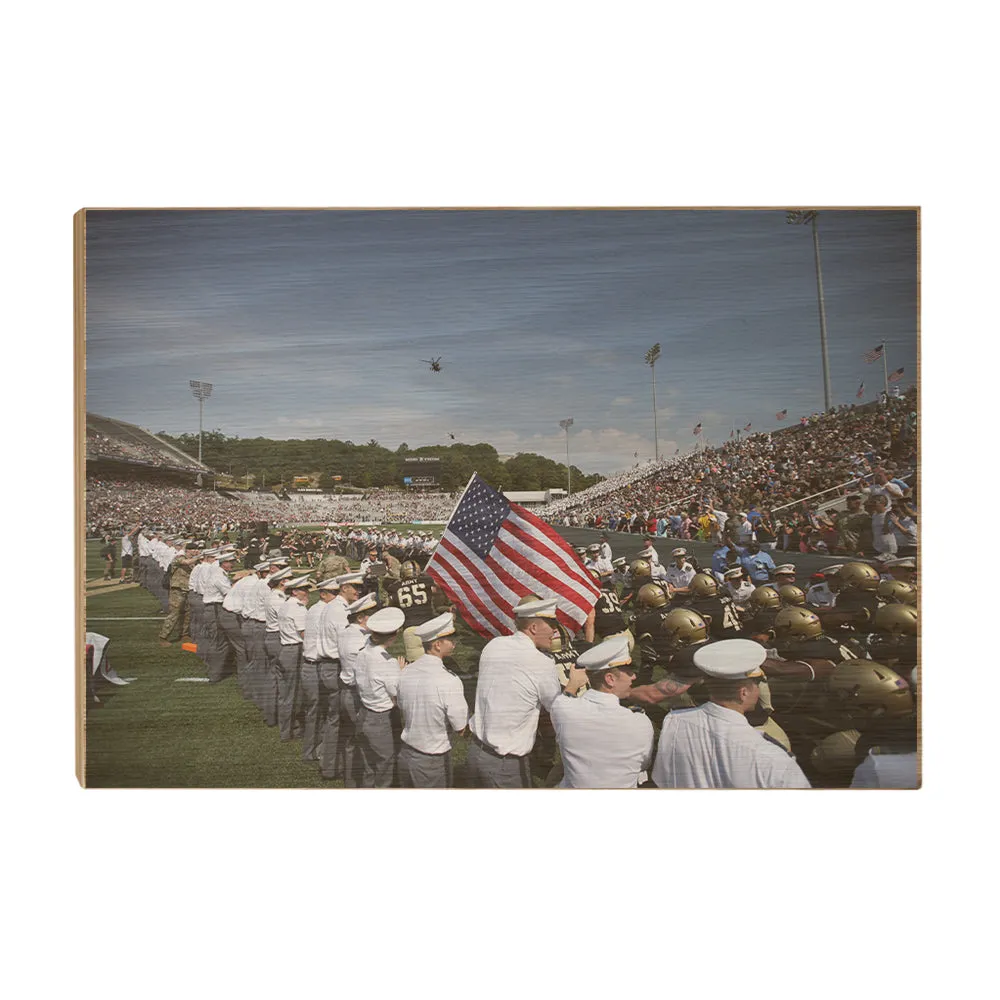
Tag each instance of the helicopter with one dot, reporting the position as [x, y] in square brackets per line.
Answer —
[435, 364]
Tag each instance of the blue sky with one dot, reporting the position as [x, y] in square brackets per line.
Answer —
[313, 324]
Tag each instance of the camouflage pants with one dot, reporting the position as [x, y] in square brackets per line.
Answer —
[178, 614]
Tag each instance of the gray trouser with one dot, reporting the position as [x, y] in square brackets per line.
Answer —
[423, 770]
[217, 649]
[484, 770]
[232, 632]
[309, 699]
[253, 632]
[288, 678]
[329, 707]
[197, 615]
[350, 712]
[378, 751]
[269, 678]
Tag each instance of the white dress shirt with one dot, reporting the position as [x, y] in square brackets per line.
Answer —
[310, 638]
[819, 595]
[215, 584]
[715, 747]
[272, 608]
[602, 744]
[516, 680]
[680, 576]
[255, 605]
[194, 582]
[886, 770]
[741, 592]
[235, 600]
[377, 674]
[350, 641]
[650, 555]
[333, 623]
[291, 622]
[431, 699]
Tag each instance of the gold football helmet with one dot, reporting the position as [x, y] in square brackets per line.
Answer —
[684, 627]
[651, 595]
[834, 755]
[641, 567]
[896, 619]
[703, 585]
[408, 570]
[868, 689]
[792, 596]
[765, 597]
[897, 592]
[858, 576]
[797, 623]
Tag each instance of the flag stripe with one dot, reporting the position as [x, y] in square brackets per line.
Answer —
[486, 601]
[537, 572]
[501, 598]
[557, 549]
[521, 566]
[456, 594]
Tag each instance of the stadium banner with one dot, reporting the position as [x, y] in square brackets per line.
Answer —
[494, 552]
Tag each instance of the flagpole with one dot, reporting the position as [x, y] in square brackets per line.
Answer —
[450, 516]
[885, 370]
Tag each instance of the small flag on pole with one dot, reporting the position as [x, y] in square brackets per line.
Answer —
[732, 432]
[697, 429]
[677, 451]
[861, 390]
[781, 415]
[874, 354]
[748, 426]
[494, 552]
[803, 421]
[896, 375]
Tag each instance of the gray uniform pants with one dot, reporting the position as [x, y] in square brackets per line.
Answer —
[288, 680]
[217, 649]
[309, 700]
[194, 603]
[232, 631]
[485, 770]
[330, 750]
[378, 750]
[269, 678]
[350, 721]
[423, 770]
[253, 632]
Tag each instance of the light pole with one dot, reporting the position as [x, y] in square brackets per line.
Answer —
[652, 356]
[201, 391]
[566, 425]
[798, 218]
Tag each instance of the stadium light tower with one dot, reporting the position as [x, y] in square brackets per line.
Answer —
[800, 218]
[652, 356]
[201, 391]
[566, 425]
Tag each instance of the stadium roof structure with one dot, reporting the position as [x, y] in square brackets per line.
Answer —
[132, 445]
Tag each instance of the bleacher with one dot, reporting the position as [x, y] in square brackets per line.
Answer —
[115, 441]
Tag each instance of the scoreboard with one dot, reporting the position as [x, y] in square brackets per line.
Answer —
[419, 471]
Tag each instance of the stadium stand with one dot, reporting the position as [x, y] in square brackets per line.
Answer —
[117, 441]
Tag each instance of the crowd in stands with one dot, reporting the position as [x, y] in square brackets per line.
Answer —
[102, 446]
[787, 478]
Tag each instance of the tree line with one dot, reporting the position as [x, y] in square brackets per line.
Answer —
[266, 463]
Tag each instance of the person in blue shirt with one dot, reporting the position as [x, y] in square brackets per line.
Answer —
[720, 557]
[758, 565]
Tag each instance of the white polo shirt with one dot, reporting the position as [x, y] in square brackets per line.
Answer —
[432, 700]
[291, 622]
[215, 585]
[602, 744]
[516, 681]
[715, 747]
[377, 673]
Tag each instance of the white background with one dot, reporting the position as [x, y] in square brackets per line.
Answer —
[163, 893]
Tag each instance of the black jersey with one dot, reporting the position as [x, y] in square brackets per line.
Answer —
[762, 621]
[896, 651]
[608, 616]
[413, 597]
[824, 647]
[863, 604]
[725, 623]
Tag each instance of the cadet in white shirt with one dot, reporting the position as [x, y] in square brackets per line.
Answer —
[272, 642]
[648, 553]
[738, 587]
[822, 594]
[291, 626]
[714, 746]
[309, 682]
[377, 673]
[254, 625]
[328, 669]
[516, 680]
[680, 572]
[231, 625]
[352, 637]
[602, 744]
[432, 703]
[216, 585]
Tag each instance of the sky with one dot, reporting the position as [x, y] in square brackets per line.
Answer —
[317, 323]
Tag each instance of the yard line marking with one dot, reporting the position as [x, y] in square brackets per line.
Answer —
[191, 680]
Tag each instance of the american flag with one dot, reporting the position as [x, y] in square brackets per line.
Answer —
[861, 390]
[494, 552]
[748, 426]
[896, 375]
[677, 451]
[874, 354]
[697, 429]
[781, 415]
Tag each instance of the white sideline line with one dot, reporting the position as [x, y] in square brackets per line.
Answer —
[191, 680]
[155, 618]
